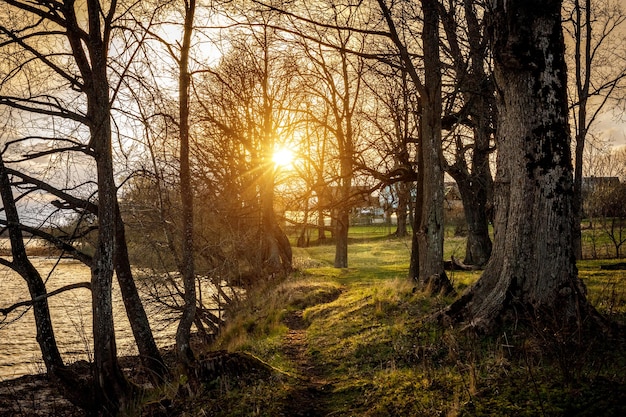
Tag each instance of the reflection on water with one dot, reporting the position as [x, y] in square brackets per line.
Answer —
[71, 318]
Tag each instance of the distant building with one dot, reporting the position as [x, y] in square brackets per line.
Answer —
[592, 184]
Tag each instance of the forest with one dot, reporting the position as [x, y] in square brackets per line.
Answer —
[377, 208]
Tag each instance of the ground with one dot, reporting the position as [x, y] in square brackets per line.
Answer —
[358, 342]
[33, 395]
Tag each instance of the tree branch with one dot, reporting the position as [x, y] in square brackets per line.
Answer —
[5, 311]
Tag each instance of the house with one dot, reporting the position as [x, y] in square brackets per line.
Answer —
[593, 184]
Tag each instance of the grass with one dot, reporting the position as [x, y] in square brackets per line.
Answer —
[370, 347]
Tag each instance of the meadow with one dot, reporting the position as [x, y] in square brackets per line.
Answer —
[358, 341]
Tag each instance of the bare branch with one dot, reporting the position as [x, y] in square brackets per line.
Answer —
[5, 311]
[31, 105]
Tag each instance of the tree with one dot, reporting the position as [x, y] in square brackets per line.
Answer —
[532, 270]
[90, 50]
[599, 63]
[426, 265]
[183, 333]
[246, 102]
[75, 87]
[470, 107]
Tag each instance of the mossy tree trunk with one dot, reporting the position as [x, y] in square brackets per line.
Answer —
[532, 270]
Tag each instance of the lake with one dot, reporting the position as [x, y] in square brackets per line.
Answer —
[71, 318]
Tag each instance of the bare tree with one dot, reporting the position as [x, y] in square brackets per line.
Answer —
[70, 44]
[183, 333]
[427, 251]
[245, 104]
[393, 137]
[470, 106]
[596, 29]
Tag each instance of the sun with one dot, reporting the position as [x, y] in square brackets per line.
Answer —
[283, 157]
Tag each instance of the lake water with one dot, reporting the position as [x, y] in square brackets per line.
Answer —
[71, 318]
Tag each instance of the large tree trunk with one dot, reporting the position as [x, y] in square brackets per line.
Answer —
[113, 391]
[432, 276]
[532, 270]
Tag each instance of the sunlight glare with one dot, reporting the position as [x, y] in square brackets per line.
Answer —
[283, 157]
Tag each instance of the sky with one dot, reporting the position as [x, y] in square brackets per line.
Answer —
[611, 129]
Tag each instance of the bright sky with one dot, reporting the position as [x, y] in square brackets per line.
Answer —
[611, 129]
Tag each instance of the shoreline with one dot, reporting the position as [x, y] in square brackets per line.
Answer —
[34, 395]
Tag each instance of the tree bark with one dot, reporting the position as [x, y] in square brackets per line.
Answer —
[183, 332]
[36, 287]
[432, 276]
[532, 271]
[113, 391]
[148, 350]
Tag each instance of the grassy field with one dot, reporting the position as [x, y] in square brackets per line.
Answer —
[358, 342]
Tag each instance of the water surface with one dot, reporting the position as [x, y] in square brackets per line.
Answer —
[71, 319]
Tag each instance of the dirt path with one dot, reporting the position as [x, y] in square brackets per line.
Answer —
[309, 398]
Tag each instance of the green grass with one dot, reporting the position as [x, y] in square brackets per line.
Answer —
[370, 341]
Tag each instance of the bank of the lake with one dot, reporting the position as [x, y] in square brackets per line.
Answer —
[71, 317]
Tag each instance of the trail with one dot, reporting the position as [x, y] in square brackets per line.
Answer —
[309, 398]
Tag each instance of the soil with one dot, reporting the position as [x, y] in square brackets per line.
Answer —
[310, 397]
[34, 395]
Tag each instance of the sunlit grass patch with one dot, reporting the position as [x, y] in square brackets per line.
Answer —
[370, 337]
[366, 325]
[258, 325]
[606, 288]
